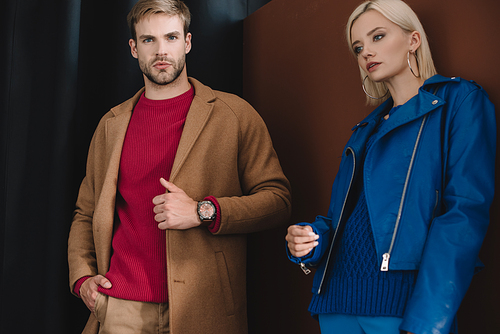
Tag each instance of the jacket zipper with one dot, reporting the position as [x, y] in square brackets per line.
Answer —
[387, 256]
[340, 218]
[306, 270]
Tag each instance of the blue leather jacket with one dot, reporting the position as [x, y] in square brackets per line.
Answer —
[429, 184]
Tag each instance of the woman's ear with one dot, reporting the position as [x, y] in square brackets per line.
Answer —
[415, 41]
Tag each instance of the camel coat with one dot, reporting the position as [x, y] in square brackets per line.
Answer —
[225, 151]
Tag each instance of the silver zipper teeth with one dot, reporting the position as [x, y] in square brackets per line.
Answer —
[386, 257]
[338, 223]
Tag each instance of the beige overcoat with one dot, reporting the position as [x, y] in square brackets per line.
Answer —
[225, 151]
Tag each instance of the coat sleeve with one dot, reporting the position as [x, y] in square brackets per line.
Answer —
[266, 199]
[455, 236]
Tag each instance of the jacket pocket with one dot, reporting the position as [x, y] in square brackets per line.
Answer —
[225, 283]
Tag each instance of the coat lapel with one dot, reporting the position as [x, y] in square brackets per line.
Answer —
[115, 129]
[196, 119]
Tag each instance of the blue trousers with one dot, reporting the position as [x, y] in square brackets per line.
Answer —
[352, 324]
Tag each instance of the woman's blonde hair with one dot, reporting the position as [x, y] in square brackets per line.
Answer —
[399, 13]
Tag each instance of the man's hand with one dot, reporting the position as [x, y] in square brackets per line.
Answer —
[301, 240]
[175, 209]
[88, 290]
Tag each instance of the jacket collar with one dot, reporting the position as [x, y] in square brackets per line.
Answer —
[424, 102]
[421, 104]
[205, 93]
[438, 79]
[198, 115]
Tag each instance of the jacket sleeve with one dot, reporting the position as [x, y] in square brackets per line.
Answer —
[455, 236]
[266, 194]
[321, 227]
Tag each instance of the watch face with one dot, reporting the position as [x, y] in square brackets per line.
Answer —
[206, 210]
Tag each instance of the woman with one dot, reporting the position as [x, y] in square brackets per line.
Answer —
[410, 203]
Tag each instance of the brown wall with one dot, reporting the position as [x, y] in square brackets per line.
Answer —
[299, 75]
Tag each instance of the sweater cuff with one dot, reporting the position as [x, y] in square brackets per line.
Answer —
[214, 226]
[78, 285]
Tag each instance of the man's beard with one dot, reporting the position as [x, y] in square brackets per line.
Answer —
[163, 78]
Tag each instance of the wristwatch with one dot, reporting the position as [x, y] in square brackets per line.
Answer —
[206, 211]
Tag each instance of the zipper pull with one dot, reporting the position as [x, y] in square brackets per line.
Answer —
[306, 270]
[385, 262]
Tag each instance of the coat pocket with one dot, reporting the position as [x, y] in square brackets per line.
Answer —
[225, 283]
[100, 306]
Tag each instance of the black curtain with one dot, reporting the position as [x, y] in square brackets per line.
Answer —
[64, 64]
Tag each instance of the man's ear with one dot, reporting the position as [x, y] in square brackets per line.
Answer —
[187, 42]
[133, 48]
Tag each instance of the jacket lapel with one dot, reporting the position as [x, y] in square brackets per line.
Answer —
[420, 105]
[116, 128]
[196, 119]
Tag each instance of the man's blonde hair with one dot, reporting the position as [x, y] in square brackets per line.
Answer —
[145, 8]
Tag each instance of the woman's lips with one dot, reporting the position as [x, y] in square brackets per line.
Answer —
[372, 66]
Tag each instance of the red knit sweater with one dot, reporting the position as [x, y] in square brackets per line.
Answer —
[138, 263]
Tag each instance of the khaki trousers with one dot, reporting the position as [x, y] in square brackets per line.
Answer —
[119, 316]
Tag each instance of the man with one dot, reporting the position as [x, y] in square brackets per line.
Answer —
[150, 255]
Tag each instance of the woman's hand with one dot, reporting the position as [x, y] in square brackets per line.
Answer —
[301, 240]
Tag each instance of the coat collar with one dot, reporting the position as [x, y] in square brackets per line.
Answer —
[197, 117]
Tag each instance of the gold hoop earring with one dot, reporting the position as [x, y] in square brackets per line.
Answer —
[372, 97]
[409, 64]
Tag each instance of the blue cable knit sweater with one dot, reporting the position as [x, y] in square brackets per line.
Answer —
[356, 285]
